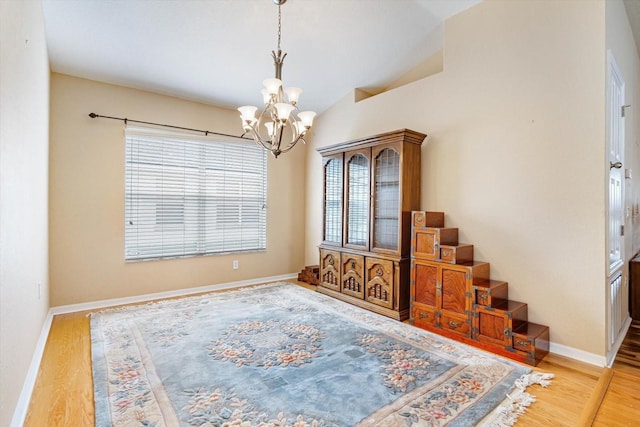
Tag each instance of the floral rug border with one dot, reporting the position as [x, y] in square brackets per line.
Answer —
[506, 413]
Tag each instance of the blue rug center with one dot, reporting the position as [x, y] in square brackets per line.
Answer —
[267, 343]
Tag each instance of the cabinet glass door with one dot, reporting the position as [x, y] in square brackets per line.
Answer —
[386, 200]
[333, 191]
[358, 191]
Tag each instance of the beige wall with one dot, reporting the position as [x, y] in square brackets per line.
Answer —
[87, 198]
[515, 153]
[24, 121]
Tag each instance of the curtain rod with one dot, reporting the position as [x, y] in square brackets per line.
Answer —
[125, 120]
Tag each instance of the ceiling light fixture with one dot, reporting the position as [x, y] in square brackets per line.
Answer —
[280, 114]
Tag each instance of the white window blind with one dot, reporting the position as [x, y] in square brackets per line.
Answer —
[188, 195]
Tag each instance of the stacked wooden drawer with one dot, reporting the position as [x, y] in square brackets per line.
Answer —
[453, 295]
[310, 274]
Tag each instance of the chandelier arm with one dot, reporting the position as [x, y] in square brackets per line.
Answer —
[296, 119]
[263, 141]
[257, 138]
[265, 144]
[293, 143]
[278, 140]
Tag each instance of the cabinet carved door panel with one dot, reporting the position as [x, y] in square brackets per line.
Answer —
[353, 275]
[425, 281]
[454, 291]
[330, 269]
[380, 277]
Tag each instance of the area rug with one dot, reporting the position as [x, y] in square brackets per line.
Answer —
[281, 355]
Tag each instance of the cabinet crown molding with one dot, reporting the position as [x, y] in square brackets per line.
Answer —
[406, 135]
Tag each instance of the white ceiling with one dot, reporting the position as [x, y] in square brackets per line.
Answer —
[219, 51]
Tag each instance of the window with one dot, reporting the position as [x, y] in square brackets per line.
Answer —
[188, 195]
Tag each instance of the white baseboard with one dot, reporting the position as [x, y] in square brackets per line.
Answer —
[577, 354]
[20, 413]
[72, 308]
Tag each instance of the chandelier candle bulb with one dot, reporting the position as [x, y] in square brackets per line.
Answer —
[307, 118]
[248, 114]
[293, 94]
[266, 97]
[300, 127]
[272, 85]
[269, 126]
[284, 110]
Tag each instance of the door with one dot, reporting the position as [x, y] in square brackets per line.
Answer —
[455, 304]
[616, 135]
[425, 281]
[425, 292]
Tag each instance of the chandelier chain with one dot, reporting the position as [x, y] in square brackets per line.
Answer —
[279, 26]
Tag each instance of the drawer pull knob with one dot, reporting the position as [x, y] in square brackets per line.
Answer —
[522, 343]
[454, 325]
[482, 297]
[424, 315]
[446, 253]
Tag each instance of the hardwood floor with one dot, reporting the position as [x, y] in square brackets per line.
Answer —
[580, 394]
[63, 394]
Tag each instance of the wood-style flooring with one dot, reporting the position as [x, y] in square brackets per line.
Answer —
[580, 394]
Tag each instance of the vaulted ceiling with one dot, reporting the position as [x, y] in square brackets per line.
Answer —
[219, 51]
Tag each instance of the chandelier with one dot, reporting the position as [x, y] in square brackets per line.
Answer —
[284, 125]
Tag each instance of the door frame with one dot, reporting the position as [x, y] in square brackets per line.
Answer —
[613, 271]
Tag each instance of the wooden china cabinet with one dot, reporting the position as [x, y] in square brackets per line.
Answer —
[371, 185]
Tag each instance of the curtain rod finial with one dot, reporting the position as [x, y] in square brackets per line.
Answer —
[93, 115]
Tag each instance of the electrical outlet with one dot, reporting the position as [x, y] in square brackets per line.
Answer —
[235, 264]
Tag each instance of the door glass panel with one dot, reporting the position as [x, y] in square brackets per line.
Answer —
[333, 201]
[358, 191]
[387, 188]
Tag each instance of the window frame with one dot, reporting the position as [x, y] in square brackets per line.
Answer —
[218, 214]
